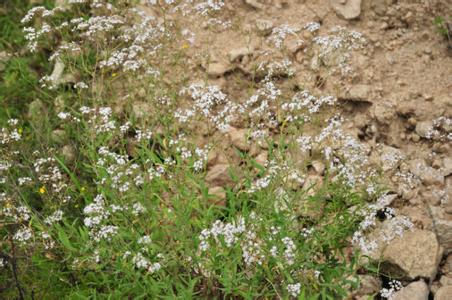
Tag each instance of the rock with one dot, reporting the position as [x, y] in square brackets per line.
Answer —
[262, 158]
[416, 254]
[239, 138]
[424, 129]
[447, 267]
[294, 45]
[368, 285]
[445, 280]
[444, 293]
[264, 27]
[312, 183]
[347, 9]
[358, 92]
[318, 166]
[57, 73]
[442, 223]
[215, 157]
[59, 136]
[417, 290]
[68, 153]
[427, 174]
[390, 158]
[218, 175]
[217, 69]
[218, 195]
[379, 6]
[447, 166]
[35, 111]
[238, 53]
[418, 215]
[255, 4]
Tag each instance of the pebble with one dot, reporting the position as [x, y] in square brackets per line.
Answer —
[217, 69]
[347, 9]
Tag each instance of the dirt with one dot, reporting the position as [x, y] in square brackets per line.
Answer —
[400, 77]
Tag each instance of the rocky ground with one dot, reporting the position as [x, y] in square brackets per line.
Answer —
[395, 90]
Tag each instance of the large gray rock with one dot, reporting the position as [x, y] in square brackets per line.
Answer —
[417, 290]
[416, 254]
[347, 9]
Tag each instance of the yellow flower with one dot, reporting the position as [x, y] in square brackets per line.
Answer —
[82, 189]
[185, 46]
[42, 190]
[20, 130]
[114, 75]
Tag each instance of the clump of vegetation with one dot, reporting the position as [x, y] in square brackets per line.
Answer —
[104, 198]
[444, 28]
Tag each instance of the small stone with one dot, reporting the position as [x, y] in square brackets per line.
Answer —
[294, 45]
[255, 4]
[445, 280]
[348, 10]
[428, 97]
[447, 166]
[368, 285]
[416, 254]
[57, 73]
[427, 174]
[238, 53]
[424, 129]
[444, 293]
[379, 6]
[390, 158]
[218, 175]
[417, 290]
[264, 27]
[218, 195]
[217, 69]
[262, 158]
[412, 121]
[35, 110]
[415, 138]
[59, 136]
[68, 153]
[312, 183]
[359, 93]
[239, 138]
[319, 167]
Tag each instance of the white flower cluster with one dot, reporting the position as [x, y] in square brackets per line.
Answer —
[280, 33]
[229, 232]
[389, 292]
[294, 289]
[141, 262]
[10, 134]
